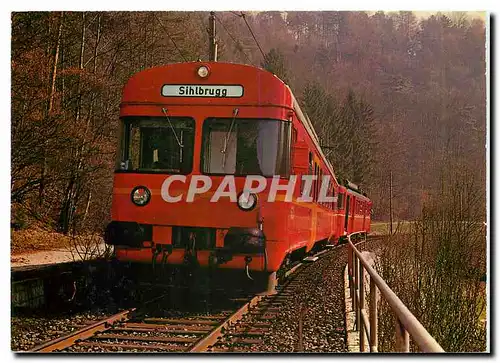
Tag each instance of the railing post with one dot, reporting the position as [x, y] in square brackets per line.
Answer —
[353, 280]
[350, 253]
[361, 307]
[369, 325]
[373, 316]
[356, 290]
[402, 337]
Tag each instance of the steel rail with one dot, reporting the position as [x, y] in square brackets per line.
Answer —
[81, 334]
[406, 323]
[211, 339]
[203, 344]
[72, 338]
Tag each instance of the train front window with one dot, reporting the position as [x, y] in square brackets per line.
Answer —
[156, 145]
[246, 147]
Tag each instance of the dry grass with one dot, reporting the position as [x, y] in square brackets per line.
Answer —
[436, 270]
[33, 240]
[383, 228]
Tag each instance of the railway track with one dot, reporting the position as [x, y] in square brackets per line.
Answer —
[223, 331]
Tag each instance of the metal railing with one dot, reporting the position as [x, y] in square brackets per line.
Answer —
[406, 323]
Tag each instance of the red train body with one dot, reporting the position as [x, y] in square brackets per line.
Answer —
[222, 119]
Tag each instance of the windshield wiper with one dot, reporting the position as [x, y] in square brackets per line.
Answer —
[228, 136]
[172, 127]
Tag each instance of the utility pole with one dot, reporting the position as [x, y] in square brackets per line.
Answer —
[390, 201]
[212, 44]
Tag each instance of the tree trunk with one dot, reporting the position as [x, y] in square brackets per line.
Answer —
[50, 105]
[70, 198]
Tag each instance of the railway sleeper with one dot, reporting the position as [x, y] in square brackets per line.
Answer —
[251, 329]
[271, 308]
[152, 347]
[227, 350]
[164, 331]
[184, 321]
[165, 328]
[246, 333]
[214, 317]
[241, 341]
[145, 339]
[265, 316]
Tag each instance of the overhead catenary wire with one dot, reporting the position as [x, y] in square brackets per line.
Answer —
[233, 39]
[168, 35]
[253, 35]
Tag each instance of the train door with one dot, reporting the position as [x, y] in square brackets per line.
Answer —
[347, 208]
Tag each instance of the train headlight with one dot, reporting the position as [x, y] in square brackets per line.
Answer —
[140, 196]
[247, 201]
[203, 71]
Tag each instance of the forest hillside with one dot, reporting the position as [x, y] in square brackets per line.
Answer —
[387, 92]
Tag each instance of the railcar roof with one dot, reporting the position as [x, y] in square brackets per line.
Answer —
[312, 133]
[358, 195]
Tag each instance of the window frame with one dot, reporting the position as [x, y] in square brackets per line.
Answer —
[287, 142]
[124, 142]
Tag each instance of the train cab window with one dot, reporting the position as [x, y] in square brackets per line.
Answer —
[245, 147]
[155, 144]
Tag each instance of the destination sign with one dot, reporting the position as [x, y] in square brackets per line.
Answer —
[198, 90]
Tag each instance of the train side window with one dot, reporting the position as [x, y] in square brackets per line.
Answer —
[340, 201]
[313, 187]
[329, 193]
[310, 163]
[320, 177]
[332, 191]
[318, 183]
[316, 172]
[292, 146]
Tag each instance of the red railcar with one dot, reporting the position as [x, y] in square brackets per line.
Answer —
[216, 119]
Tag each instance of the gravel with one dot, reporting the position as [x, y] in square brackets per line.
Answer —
[317, 291]
[27, 332]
